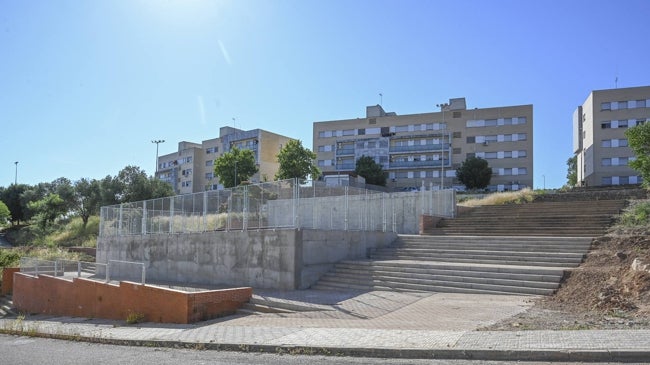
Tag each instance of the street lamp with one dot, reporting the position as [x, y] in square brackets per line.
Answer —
[16, 176]
[157, 142]
[235, 173]
[442, 146]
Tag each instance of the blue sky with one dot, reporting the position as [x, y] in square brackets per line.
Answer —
[86, 85]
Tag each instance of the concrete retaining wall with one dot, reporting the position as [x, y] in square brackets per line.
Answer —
[272, 259]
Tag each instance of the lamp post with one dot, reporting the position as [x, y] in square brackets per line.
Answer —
[544, 177]
[442, 146]
[235, 174]
[16, 175]
[157, 142]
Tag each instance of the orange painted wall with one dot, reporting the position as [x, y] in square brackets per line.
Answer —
[88, 298]
[8, 279]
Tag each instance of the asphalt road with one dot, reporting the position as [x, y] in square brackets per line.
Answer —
[26, 350]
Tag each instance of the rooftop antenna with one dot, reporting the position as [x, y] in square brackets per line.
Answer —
[234, 125]
[381, 99]
[616, 83]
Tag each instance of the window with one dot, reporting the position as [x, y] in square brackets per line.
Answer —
[605, 125]
[606, 143]
[522, 153]
[321, 163]
[456, 151]
[507, 121]
[624, 180]
[212, 150]
[457, 135]
[607, 180]
[622, 104]
[348, 132]
[209, 163]
[622, 123]
[186, 184]
[640, 103]
[606, 162]
[470, 155]
[471, 139]
[606, 106]
[622, 142]
[321, 148]
[209, 175]
[490, 122]
[521, 120]
[523, 171]
[372, 120]
[402, 128]
[456, 114]
[361, 131]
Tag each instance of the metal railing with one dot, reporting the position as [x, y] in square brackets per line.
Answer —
[113, 270]
[279, 204]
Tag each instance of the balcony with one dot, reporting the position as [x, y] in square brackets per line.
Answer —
[419, 148]
[427, 163]
[345, 151]
[345, 166]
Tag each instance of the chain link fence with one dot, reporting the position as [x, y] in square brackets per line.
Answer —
[278, 204]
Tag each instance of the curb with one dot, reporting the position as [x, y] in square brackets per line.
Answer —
[586, 355]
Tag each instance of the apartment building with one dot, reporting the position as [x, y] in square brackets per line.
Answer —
[599, 141]
[191, 168]
[429, 147]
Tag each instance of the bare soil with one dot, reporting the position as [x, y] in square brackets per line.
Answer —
[606, 292]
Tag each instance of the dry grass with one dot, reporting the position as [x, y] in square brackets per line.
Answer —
[511, 197]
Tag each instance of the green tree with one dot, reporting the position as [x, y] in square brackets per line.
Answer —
[639, 141]
[48, 209]
[234, 167]
[572, 172]
[110, 191]
[371, 171]
[5, 214]
[87, 197]
[474, 173]
[12, 198]
[296, 161]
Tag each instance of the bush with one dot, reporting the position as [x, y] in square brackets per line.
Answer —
[637, 214]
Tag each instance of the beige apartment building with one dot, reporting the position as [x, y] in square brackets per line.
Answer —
[191, 168]
[599, 141]
[429, 147]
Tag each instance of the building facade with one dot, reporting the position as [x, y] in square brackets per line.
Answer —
[191, 168]
[599, 142]
[428, 148]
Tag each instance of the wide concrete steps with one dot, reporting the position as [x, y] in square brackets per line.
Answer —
[440, 277]
[7, 308]
[463, 264]
[576, 218]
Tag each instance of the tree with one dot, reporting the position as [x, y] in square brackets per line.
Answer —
[572, 172]
[12, 198]
[371, 171]
[87, 197]
[48, 209]
[5, 214]
[639, 141]
[474, 173]
[234, 167]
[296, 162]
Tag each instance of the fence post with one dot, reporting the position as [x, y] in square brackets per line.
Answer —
[244, 224]
[119, 224]
[144, 270]
[78, 269]
[108, 268]
[171, 214]
[345, 207]
[144, 217]
[205, 211]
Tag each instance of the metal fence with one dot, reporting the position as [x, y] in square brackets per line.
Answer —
[278, 204]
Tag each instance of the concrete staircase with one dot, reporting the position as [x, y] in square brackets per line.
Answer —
[511, 249]
[7, 308]
[574, 219]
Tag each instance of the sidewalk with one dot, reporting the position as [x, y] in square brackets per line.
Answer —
[376, 324]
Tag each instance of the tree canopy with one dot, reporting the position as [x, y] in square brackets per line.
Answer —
[235, 166]
[371, 171]
[474, 173]
[296, 161]
[639, 141]
[572, 172]
[5, 214]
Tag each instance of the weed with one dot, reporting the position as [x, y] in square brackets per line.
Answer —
[134, 318]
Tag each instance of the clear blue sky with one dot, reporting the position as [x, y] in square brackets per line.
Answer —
[86, 85]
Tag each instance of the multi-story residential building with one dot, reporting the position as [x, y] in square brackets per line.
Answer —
[191, 168]
[429, 147]
[599, 141]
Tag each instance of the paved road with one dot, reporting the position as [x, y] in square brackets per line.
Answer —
[25, 350]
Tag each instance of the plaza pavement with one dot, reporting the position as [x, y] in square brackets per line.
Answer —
[376, 324]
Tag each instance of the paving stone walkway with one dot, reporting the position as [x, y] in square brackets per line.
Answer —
[377, 323]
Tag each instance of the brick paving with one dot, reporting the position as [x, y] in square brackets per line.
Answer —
[374, 323]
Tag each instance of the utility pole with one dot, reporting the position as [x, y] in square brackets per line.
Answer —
[157, 142]
[16, 176]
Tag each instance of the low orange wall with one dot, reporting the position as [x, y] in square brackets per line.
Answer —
[8, 280]
[88, 298]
